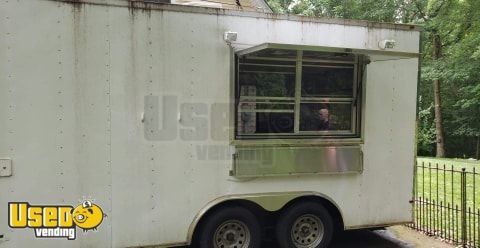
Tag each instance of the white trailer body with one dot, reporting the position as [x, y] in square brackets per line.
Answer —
[87, 89]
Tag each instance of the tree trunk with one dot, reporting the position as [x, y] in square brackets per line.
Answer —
[437, 100]
[478, 147]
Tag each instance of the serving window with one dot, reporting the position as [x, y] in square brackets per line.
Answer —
[284, 93]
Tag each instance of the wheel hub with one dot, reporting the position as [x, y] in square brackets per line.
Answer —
[230, 237]
[307, 231]
[232, 234]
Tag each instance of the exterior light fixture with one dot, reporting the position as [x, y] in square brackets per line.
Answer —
[386, 44]
[230, 37]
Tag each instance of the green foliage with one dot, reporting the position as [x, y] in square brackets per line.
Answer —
[374, 10]
[426, 131]
[460, 67]
[268, 84]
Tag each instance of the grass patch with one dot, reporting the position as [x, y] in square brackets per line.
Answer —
[455, 162]
[438, 185]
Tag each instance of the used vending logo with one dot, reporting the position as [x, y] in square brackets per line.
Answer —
[57, 221]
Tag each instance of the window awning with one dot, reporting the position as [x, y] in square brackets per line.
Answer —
[289, 51]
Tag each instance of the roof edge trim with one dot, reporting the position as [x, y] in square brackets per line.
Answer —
[149, 5]
[325, 49]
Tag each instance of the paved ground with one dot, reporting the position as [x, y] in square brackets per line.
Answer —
[393, 237]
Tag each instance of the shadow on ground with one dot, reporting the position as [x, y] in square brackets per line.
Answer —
[368, 239]
[360, 239]
[382, 238]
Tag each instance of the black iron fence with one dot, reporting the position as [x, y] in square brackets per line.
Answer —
[445, 203]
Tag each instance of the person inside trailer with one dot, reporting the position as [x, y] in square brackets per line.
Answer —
[315, 117]
[324, 121]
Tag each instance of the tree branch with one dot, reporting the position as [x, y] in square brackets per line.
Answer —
[422, 14]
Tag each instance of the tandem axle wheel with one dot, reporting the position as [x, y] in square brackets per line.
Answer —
[304, 224]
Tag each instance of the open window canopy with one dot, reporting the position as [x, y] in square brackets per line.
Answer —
[321, 52]
[285, 90]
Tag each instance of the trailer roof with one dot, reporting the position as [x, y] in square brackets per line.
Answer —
[149, 5]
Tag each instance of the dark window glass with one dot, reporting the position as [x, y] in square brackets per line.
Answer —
[268, 80]
[247, 106]
[327, 81]
[275, 123]
[325, 116]
[266, 97]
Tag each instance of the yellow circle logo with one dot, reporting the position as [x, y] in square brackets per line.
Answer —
[87, 215]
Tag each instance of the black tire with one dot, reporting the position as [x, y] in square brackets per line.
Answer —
[236, 222]
[301, 225]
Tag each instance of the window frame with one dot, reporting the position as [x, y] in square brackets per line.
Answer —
[355, 101]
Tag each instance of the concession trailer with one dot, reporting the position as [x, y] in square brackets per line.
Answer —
[202, 126]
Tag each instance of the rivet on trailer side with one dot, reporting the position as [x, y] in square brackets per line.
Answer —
[202, 126]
